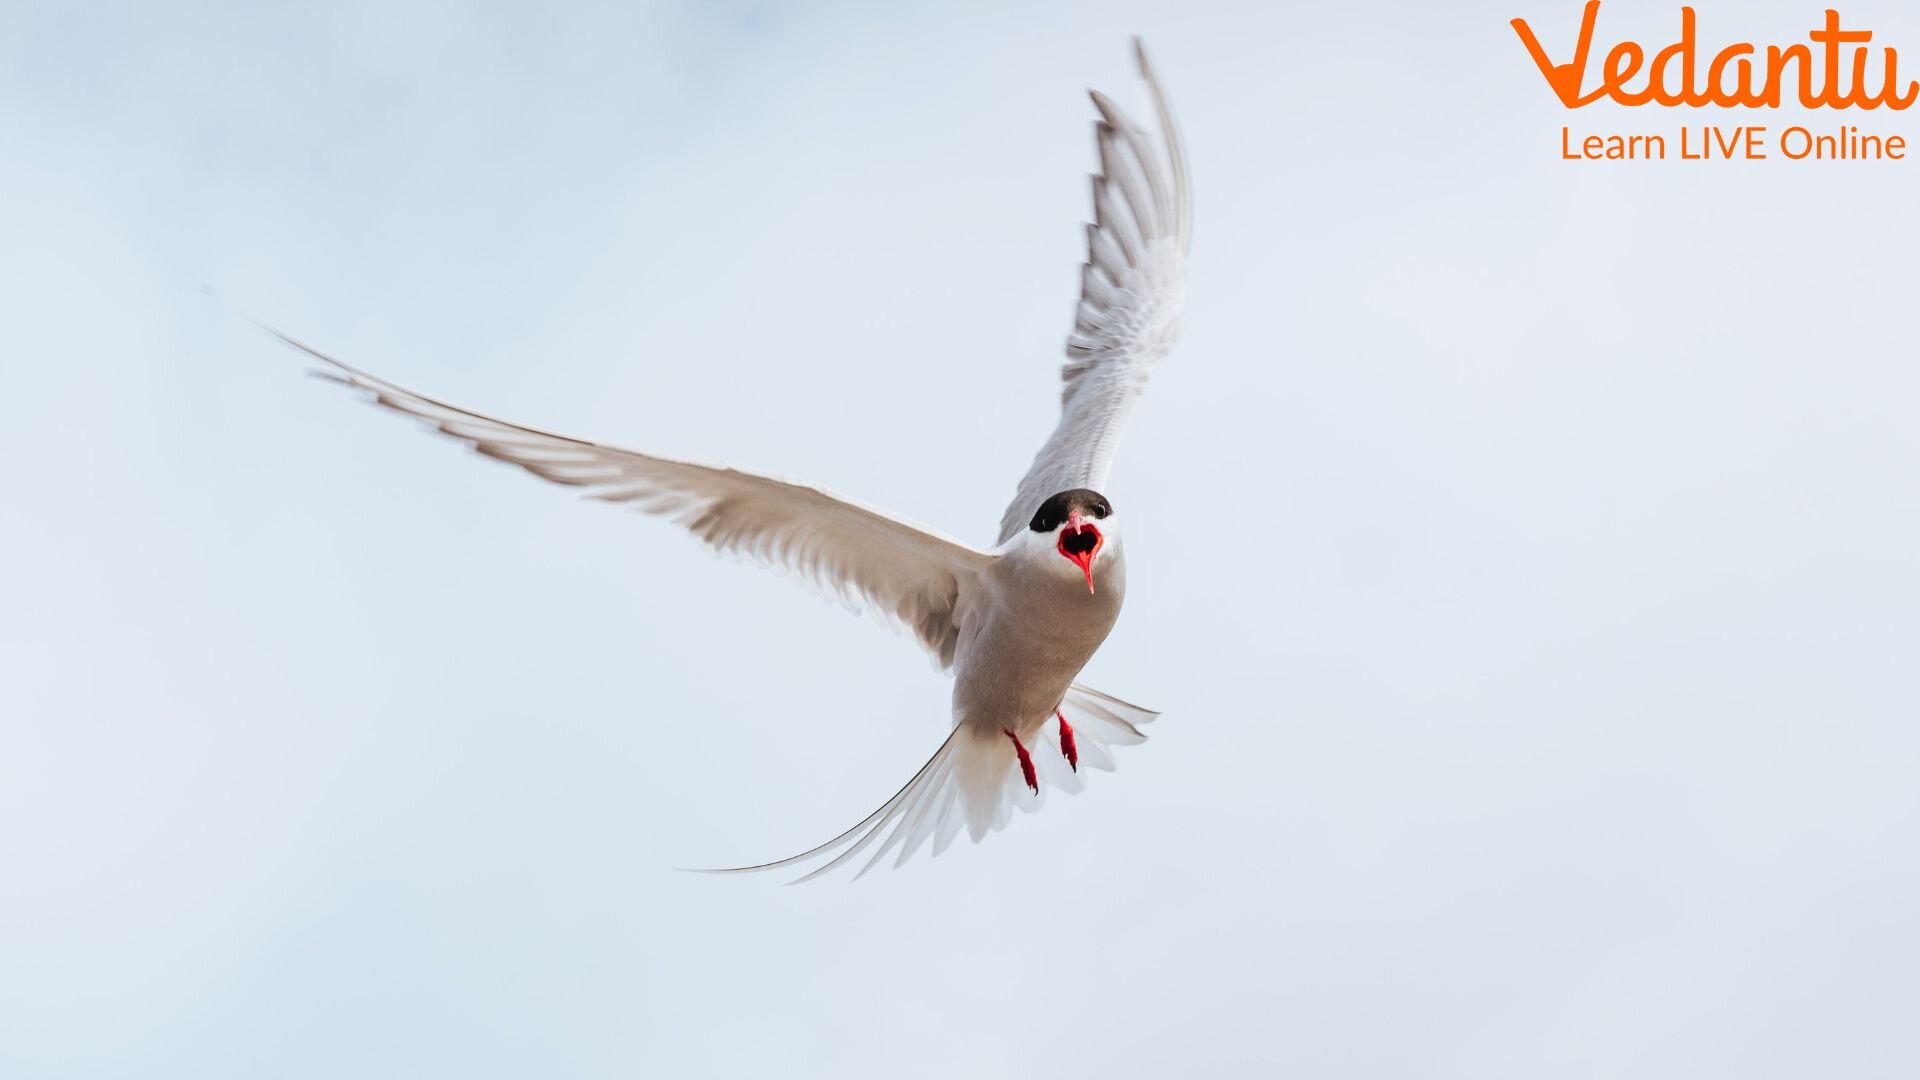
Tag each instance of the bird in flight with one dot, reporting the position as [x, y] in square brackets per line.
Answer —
[1013, 624]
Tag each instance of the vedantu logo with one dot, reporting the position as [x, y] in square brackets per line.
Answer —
[1837, 71]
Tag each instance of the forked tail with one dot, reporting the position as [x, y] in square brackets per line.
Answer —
[974, 781]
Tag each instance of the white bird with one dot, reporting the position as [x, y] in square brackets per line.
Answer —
[1014, 624]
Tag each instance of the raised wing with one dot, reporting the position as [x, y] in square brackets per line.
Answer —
[911, 577]
[1132, 293]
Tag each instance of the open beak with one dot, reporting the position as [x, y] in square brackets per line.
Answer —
[1080, 542]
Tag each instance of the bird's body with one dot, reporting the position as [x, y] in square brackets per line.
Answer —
[1014, 624]
[1035, 629]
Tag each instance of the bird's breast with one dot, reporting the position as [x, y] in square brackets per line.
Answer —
[1034, 636]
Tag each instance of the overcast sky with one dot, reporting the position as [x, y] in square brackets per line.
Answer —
[1521, 551]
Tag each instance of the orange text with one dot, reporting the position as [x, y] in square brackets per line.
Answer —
[1734, 75]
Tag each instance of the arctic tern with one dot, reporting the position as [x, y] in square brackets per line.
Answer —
[1014, 624]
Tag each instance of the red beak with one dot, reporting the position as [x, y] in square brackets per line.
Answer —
[1080, 542]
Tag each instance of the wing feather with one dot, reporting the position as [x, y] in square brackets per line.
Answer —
[908, 575]
[1132, 295]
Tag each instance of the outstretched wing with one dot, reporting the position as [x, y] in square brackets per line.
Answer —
[908, 575]
[1132, 292]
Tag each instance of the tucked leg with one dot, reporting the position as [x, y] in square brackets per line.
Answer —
[1066, 741]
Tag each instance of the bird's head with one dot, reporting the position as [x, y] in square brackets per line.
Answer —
[1078, 525]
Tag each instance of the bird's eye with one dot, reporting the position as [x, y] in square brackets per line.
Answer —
[1102, 510]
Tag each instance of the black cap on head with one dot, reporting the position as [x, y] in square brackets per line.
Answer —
[1053, 513]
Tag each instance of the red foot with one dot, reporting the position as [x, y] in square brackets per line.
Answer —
[1026, 762]
[1066, 741]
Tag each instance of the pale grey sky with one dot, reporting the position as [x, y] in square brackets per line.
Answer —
[1521, 551]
